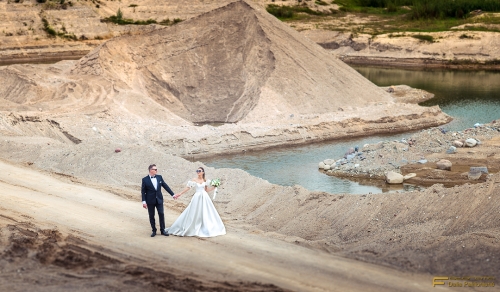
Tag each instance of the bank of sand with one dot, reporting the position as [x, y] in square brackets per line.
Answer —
[59, 234]
[64, 232]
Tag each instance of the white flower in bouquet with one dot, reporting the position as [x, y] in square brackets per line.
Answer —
[215, 183]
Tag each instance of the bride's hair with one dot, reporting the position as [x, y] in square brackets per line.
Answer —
[203, 173]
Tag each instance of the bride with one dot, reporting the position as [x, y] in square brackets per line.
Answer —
[200, 217]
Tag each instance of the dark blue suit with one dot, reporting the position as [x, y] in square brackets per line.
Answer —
[154, 199]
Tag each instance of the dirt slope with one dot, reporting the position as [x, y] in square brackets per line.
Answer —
[219, 66]
[91, 246]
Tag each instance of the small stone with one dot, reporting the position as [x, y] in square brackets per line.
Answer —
[482, 169]
[474, 175]
[349, 157]
[410, 175]
[451, 150]
[394, 178]
[444, 164]
[117, 150]
[470, 142]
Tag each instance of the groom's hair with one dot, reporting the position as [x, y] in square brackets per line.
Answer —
[151, 166]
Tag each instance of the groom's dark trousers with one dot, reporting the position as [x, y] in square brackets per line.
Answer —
[154, 199]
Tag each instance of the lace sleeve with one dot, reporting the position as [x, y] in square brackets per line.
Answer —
[190, 184]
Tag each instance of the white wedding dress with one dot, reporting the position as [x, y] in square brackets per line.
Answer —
[200, 218]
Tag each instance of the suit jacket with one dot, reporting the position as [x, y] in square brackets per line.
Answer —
[149, 194]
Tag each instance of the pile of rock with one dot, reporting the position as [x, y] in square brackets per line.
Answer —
[378, 160]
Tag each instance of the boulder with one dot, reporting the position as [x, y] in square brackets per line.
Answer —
[474, 175]
[321, 165]
[329, 161]
[444, 164]
[470, 142]
[408, 176]
[326, 167]
[482, 169]
[457, 143]
[394, 178]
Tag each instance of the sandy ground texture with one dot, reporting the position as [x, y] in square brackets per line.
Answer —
[58, 235]
[77, 136]
[449, 50]
[24, 36]
[62, 231]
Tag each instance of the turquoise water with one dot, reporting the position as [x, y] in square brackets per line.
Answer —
[468, 96]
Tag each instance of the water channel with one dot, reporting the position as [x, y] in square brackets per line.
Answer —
[468, 96]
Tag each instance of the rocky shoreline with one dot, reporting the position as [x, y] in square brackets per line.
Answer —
[422, 152]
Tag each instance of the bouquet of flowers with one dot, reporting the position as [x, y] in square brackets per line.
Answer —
[215, 183]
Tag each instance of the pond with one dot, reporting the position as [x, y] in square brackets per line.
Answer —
[468, 96]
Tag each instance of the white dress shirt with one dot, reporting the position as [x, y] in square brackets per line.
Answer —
[155, 184]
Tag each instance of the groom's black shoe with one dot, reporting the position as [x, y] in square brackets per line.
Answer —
[163, 232]
[153, 234]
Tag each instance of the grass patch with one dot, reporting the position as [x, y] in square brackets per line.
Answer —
[423, 37]
[52, 32]
[119, 19]
[397, 16]
[320, 2]
[290, 12]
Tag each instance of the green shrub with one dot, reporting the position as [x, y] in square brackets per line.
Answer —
[284, 12]
[118, 19]
[119, 14]
[48, 29]
[425, 9]
[423, 37]
[450, 8]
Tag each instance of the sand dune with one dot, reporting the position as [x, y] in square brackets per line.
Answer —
[101, 223]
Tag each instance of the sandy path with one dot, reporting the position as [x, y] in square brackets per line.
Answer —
[120, 225]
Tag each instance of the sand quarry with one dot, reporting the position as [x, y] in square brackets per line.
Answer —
[76, 138]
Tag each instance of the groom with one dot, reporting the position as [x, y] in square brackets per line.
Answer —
[152, 198]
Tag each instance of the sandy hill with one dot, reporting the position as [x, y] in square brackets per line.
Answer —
[232, 63]
[236, 64]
